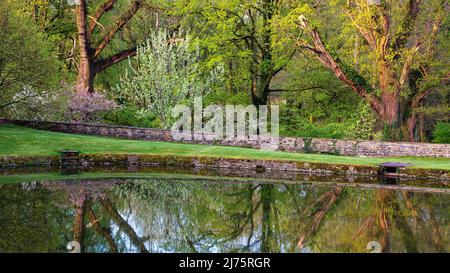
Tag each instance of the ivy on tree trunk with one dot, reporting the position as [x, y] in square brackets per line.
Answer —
[392, 49]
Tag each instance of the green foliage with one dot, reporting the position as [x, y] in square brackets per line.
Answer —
[303, 128]
[38, 49]
[314, 103]
[253, 38]
[223, 97]
[166, 73]
[131, 116]
[362, 124]
[28, 64]
[355, 77]
[391, 132]
[30, 219]
[441, 133]
[55, 21]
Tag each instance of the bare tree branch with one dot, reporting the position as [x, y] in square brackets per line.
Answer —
[123, 19]
[419, 98]
[123, 225]
[101, 230]
[116, 58]
[408, 62]
[107, 6]
[319, 49]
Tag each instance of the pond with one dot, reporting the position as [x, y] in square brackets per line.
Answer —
[188, 214]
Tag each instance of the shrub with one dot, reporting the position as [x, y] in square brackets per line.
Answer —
[304, 128]
[222, 97]
[131, 116]
[441, 133]
[85, 107]
[362, 124]
[38, 105]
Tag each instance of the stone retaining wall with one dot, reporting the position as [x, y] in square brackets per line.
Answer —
[289, 144]
[237, 166]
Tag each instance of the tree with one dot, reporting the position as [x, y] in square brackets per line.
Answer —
[166, 73]
[91, 61]
[244, 35]
[30, 220]
[401, 41]
[27, 66]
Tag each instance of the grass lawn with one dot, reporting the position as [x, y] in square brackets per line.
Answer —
[19, 141]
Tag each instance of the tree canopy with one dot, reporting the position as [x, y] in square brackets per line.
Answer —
[339, 68]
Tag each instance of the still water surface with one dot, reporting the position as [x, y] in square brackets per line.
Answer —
[156, 215]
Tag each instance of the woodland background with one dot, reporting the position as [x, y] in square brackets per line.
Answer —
[357, 69]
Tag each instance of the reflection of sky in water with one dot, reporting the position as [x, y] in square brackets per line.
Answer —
[188, 216]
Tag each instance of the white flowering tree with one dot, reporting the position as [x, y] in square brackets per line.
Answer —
[166, 73]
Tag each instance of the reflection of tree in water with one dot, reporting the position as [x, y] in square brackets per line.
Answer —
[263, 219]
[391, 218]
[142, 215]
[321, 206]
[32, 219]
[87, 196]
[228, 217]
[425, 219]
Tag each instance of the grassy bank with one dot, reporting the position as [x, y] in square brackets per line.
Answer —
[19, 141]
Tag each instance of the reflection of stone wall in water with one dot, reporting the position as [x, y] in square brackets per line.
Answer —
[289, 144]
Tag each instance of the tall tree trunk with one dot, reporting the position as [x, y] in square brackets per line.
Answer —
[390, 94]
[78, 225]
[391, 116]
[328, 200]
[123, 225]
[263, 68]
[411, 124]
[104, 232]
[267, 65]
[86, 74]
[391, 106]
[268, 242]
[91, 63]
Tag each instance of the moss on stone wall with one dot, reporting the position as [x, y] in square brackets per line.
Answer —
[198, 161]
